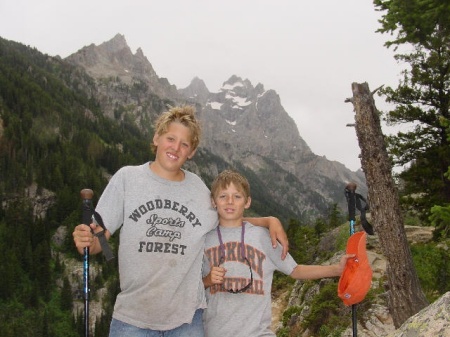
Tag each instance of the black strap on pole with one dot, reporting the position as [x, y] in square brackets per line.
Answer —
[106, 250]
[362, 206]
[350, 195]
[351, 202]
[355, 202]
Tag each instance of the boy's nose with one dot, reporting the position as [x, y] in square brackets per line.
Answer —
[176, 146]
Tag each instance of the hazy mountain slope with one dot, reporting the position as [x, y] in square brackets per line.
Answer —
[245, 126]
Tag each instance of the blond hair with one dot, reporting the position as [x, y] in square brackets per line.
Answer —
[225, 178]
[184, 115]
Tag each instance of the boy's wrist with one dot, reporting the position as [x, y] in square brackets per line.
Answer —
[206, 282]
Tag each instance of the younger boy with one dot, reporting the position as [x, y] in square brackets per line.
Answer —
[239, 265]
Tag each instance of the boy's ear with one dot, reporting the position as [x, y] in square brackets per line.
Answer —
[248, 203]
[192, 154]
[213, 204]
[155, 139]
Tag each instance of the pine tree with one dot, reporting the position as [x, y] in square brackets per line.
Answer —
[66, 295]
[421, 31]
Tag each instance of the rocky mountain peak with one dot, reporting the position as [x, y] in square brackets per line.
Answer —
[240, 111]
[259, 88]
[237, 88]
[236, 81]
[196, 90]
[116, 44]
[140, 54]
[114, 59]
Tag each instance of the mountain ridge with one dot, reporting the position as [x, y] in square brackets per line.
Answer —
[242, 123]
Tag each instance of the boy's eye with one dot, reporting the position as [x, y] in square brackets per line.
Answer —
[236, 196]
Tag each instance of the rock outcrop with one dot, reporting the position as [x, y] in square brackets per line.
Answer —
[374, 320]
[433, 320]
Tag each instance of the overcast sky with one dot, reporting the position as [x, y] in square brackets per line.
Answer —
[309, 52]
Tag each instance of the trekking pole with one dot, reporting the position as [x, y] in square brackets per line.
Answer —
[86, 196]
[351, 201]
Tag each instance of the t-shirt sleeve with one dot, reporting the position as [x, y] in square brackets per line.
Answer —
[110, 205]
[285, 266]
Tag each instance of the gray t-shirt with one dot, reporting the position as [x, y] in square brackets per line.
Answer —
[163, 225]
[246, 314]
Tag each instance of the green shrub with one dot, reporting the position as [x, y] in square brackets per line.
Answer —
[325, 311]
[433, 269]
[293, 310]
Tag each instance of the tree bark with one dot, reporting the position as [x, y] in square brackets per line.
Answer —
[405, 294]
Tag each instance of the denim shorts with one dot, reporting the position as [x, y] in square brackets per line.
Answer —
[194, 329]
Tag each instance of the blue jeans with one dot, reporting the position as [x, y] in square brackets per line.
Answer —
[195, 329]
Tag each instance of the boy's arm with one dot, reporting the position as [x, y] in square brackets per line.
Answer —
[313, 272]
[276, 230]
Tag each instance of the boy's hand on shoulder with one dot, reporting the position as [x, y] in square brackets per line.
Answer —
[278, 234]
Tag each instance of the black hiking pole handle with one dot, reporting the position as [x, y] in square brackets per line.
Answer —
[351, 201]
[86, 196]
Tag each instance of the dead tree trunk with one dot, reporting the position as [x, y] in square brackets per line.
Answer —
[406, 297]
